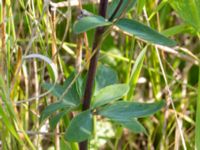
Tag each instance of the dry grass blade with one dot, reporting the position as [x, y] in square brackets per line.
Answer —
[169, 93]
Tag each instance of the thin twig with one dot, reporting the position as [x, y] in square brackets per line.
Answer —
[73, 3]
[53, 34]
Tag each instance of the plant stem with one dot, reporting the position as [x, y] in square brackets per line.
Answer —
[92, 68]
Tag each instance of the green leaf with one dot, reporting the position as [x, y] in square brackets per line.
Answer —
[55, 119]
[105, 76]
[126, 5]
[52, 108]
[80, 86]
[189, 11]
[57, 90]
[119, 110]
[80, 128]
[71, 98]
[134, 125]
[88, 23]
[109, 94]
[136, 72]
[144, 32]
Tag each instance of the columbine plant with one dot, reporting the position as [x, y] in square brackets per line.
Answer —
[106, 98]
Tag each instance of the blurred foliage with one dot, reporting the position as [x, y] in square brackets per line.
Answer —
[29, 28]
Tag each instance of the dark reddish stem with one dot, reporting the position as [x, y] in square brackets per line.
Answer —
[92, 68]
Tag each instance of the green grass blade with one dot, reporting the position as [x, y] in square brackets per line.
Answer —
[197, 130]
[8, 124]
[176, 30]
[136, 72]
[189, 11]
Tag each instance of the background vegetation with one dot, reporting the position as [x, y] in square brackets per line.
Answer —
[38, 45]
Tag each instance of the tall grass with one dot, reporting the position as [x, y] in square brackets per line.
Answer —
[37, 44]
